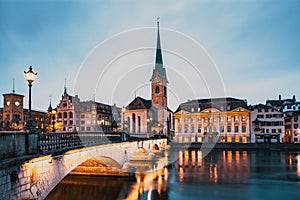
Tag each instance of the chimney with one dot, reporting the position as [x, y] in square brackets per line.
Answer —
[294, 98]
[279, 97]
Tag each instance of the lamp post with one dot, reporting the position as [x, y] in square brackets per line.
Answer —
[30, 76]
[31, 138]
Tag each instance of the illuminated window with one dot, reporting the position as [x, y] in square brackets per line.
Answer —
[229, 139]
[236, 118]
[222, 139]
[243, 118]
[244, 139]
[228, 119]
[237, 138]
[221, 119]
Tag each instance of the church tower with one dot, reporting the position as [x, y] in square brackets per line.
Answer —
[159, 79]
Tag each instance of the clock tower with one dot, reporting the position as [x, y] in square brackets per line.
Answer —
[13, 111]
[159, 79]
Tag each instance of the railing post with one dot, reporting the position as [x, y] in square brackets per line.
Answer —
[31, 142]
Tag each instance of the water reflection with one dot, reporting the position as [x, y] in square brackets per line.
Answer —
[218, 167]
[221, 174]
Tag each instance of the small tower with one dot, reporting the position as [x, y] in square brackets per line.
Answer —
[159, 78]
[13, 116]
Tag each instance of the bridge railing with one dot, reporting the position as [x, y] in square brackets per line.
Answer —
[59, 141]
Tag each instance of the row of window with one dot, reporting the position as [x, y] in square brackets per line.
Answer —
[290, 107]
[64, 115]
[98, 128]
[288, 126]
[214, 119]
[266, 110]
[222, 138]
[274, 123]
[262, 130]
[270, 116]
[222, 108]
[211, 129]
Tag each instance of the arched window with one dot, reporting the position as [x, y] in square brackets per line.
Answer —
[59, 115]
[70, 115]
[133, 122]
[156, 89]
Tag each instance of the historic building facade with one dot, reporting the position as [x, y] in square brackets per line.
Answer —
[213, 120]
[151, 116]
[13, 115]
[292, 127]
[267, 124]
[71, 115]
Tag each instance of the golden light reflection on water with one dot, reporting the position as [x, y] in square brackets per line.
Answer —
[298, 165]
[232, 166]
[146, 182]
[217, 168]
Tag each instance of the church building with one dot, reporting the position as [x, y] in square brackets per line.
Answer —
[152, 116]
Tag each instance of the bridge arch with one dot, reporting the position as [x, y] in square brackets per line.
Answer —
[39, 176]
[98, 166]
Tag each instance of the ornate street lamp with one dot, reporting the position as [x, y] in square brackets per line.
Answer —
[30, 76]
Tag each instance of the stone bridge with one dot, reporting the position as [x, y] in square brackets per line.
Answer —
[34, 178]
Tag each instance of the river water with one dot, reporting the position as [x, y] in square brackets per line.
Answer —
[219, 175]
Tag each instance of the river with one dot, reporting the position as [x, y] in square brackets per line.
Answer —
[219, 175]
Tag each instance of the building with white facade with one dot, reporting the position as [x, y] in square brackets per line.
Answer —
[267, 124]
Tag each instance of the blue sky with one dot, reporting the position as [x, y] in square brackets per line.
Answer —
[254, 44]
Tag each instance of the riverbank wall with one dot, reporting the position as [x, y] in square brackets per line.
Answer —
[247, 146]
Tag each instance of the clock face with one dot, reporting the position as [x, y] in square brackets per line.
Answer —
[17, 103]
[8, 103]
[156, 79]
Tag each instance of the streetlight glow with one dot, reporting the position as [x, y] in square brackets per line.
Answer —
[30, 75]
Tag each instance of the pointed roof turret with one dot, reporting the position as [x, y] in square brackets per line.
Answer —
[50, 107]
[158, 59]
[65, 87]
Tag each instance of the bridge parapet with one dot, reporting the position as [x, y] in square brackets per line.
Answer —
[35, 178]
